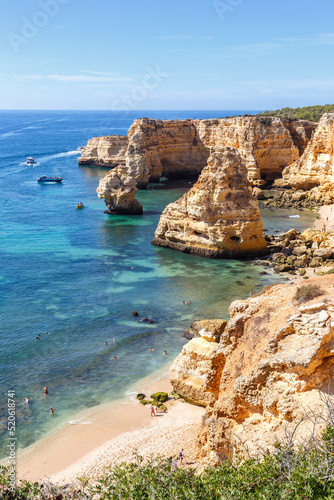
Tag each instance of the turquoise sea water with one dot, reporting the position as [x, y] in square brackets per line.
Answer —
[80, 273]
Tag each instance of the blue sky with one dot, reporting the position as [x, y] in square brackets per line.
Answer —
[172, 54]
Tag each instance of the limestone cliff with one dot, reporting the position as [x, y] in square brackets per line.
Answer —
[118, 190]
[313, 174]
[274, 355]
[107, 151]
[175, 148]
[267, 145]
[164, 148]
[218, 216]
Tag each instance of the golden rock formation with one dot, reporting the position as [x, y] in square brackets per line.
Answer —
[313, 172]
[118, 190]
[218, 216]
[275, 354]
[175, 148]
[107, 151]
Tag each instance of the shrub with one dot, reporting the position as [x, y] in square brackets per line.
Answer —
[140, 396]
[308, 292]
[145, 402]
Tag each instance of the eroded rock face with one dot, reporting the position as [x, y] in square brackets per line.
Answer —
[180, 149]
[265, 144]
[301, 132]
[195, 373]
[118, 190]
[273, 356]
[218, 217]
[209, 329]
[313, 172]
[164, 148]
[107, 151]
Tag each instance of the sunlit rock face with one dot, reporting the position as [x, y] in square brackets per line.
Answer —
[118, 190]
[218, 217]
[274, 359]
[107, 151]
[314, 171]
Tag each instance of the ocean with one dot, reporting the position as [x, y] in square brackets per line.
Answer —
[79, 274]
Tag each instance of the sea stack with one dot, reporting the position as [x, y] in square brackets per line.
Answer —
[218, 217]
[118, 190]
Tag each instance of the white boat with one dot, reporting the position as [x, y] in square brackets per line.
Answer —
[30, 160]
[80, 148]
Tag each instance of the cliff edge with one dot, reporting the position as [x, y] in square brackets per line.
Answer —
[272, 364]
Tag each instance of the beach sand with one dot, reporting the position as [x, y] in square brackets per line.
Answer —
[111, 434]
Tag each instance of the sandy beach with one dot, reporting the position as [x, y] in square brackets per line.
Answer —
[112, 433]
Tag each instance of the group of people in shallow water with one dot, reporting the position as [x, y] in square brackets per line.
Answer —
[46, 392]
[187, 303]
[150, 349]
[39, 336]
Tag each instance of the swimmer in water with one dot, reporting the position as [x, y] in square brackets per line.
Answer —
[114, 340]
[26, 401]
[46, 390]
[151, 349]
[115, 357]
[51, 412]
[165, 353]
[106, 343]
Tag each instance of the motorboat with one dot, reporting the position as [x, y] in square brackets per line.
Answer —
[30, 160]
[47, 180]
[80, 205]
[80, 148]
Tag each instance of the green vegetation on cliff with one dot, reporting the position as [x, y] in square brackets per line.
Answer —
[291, 472]
[313, 113]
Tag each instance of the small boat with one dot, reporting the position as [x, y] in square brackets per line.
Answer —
[80, 205]
[80, 148]
[30, 160]
[45, 179]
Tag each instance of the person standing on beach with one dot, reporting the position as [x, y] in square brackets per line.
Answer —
[181, 456]
[152, 411]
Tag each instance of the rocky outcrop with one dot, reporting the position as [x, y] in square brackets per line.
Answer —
[107, 151]
[179, 149]
[312, 176]
[218, 217]
[175, 148]
[195, 374]
[209, 329]
[301, 132]
[164, 148]
[118, 190]
[294, 251]
[275, 354]
[265, 143]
